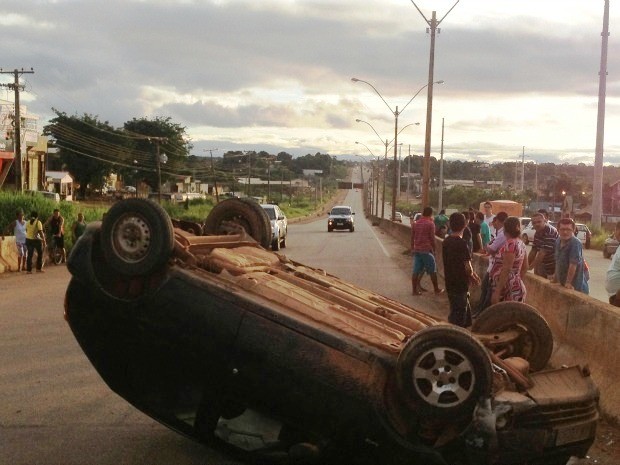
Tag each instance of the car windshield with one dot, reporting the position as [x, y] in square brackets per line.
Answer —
[271, 213]
[341, 211]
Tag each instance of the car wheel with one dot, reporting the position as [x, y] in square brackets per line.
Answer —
[443, 371]
[535, 342]
[587, 243]
[137, 237]
[606, 254]
[246, 213]
[275, 245]
[526, 239]
[329, 229]
[283, 242]
[352, 228]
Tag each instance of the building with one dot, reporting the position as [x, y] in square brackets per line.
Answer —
[33, 150]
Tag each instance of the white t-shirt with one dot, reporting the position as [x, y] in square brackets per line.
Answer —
[612, 280]
[489, 220]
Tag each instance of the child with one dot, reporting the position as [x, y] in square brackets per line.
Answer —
[458, 272]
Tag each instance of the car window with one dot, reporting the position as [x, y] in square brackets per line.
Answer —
[271, 213]
[341, 211]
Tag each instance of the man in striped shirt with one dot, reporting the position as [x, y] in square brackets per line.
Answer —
[541, 257]
[423, 249]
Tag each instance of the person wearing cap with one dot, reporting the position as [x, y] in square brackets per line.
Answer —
[492, 249]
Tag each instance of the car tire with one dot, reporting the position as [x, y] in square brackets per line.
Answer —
[536, 341]
[587, 243]
[283, 243]
[329, 229]
[275, 245]
[137, 237]
[606, 254]
[246, 213]
[443, 371]
[352, 228]
[526, 240]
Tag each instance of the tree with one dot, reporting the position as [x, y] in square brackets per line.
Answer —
[87, 148]
[150, 135]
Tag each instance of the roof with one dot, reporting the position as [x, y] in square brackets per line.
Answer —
[59, 176]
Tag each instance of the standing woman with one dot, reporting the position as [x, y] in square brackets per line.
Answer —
[35, 240]
[510, 266]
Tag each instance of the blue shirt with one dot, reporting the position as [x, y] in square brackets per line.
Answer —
[570, 252]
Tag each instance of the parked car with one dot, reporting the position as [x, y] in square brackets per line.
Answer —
[398, 217]
[341, 217]
[279, 225]
[610, 246]
[583, 234]
[525, 220]
[229, 343]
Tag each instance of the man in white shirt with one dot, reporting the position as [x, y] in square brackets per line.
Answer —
[489, 217]
[612, 280]
[491, 249]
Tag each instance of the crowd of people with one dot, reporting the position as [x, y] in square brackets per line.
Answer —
[34, 237]
[556, 255]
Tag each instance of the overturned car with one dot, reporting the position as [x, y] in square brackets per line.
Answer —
[236, 346]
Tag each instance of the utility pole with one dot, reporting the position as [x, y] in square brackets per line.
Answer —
[19, 181]
[408, 172]
[597, 184]
[523, 169]
[217, 196]
[440, 206]
[159, 159]
[432, 29]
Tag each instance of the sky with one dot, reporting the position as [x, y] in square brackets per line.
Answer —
[275, 75]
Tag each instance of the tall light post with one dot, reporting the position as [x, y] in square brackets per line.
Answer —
[432, 29]
[387, 145]
[396, 114]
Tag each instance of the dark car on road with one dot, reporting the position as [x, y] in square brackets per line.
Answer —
[239, 347]
[341, 217]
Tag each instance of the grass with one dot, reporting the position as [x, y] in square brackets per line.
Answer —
[195, 210]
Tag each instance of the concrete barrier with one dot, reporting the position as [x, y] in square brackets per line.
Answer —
[586, 331]
[8, 254]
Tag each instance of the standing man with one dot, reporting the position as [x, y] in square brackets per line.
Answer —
[441, 224]
[458, 272]
[542, 255]
[78, 227]
[57, 224]
[423, 249]
[485, 232]
[489, 217]
[491, 249]
[612, 280]
[570, 269]
[18, 229]
[35, 241]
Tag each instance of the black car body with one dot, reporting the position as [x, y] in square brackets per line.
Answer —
[229, 343]
[341, 217]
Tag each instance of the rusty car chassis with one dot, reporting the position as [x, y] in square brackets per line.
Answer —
[239, 347]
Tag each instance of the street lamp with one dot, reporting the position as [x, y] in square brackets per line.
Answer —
[387, 145]
[396, 114]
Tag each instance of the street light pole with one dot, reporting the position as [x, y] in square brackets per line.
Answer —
[433, 23]
[440, 206]
[396, 113]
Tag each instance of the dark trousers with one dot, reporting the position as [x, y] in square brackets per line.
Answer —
[485, 295]
[460, 309]
[31, 246]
